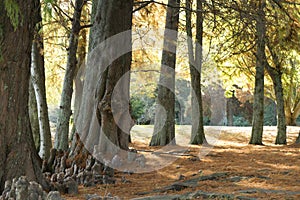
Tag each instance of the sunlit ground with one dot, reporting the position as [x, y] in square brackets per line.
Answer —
[273, 171]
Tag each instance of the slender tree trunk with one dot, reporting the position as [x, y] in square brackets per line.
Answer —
[258, 104]
[81, 52]
[38, 81]
[164, 124]
[276, 75]
[33, 115]
[197, 136]
[17, 151]
[65, 112]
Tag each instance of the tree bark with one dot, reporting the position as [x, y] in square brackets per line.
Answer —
[65, 112]
[258, 104]
[197, 135]
[33, 116]
[17, 150]
[164, 124]
[276, 75]
[104, 121]
[38, 81]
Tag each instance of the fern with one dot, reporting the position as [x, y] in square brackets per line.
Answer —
[13, 12]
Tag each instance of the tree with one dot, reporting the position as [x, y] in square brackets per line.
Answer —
[17, 150]
[65, 112]
[38, 82]
[104, 119]
[258, 104]
[197, 136]
[164, 124]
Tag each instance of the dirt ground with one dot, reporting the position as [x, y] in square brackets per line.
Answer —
[273, 170]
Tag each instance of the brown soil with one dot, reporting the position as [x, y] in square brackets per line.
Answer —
[267, 167]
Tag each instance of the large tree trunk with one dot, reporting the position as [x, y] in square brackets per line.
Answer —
[276, 74]
[17, 150]
[197, 136]
[104, 119]
[164, 124]
[38, 81]
[65, 112]
[258, 104]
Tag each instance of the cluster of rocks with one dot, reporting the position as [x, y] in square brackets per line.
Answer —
[22, 189]
[66, 180]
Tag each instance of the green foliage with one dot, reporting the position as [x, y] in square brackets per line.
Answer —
[13, 12]
[47, 9]
[270, 114]
[240, 121]
[143, 108]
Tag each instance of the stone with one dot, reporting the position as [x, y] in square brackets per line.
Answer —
[71, 186]
[22, 185]
[93, 197]
[54, 195]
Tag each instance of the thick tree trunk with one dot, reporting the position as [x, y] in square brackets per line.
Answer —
[104, 121]
[258, 104]
[197, 135]
[33, 115]
[65, 112]
[38, 81]
[17, 150]
[164, 124]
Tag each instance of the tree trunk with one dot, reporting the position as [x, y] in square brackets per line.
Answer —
[17, 150]
[258, 104]
[164, 124]
[104, 121]
[197, 135]
[33, 116]
[38, 81]
[276, 75]
[65, 112]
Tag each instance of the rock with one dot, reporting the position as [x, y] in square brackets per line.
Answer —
[71, 186]
[93, 197]
[22, 185]
[36, 191]
[54, 195]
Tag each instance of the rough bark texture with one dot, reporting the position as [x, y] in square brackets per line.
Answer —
[292, 108]
[119, 18]
[104, 119]
[164, 124]
[33, 115]
[276, 75]
[38, 81]
[17, 150]
[65, 112]
[197, 136]
[258, 104]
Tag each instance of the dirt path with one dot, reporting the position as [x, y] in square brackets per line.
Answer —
[263, 172]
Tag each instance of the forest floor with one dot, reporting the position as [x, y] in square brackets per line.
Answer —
[263, 172]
